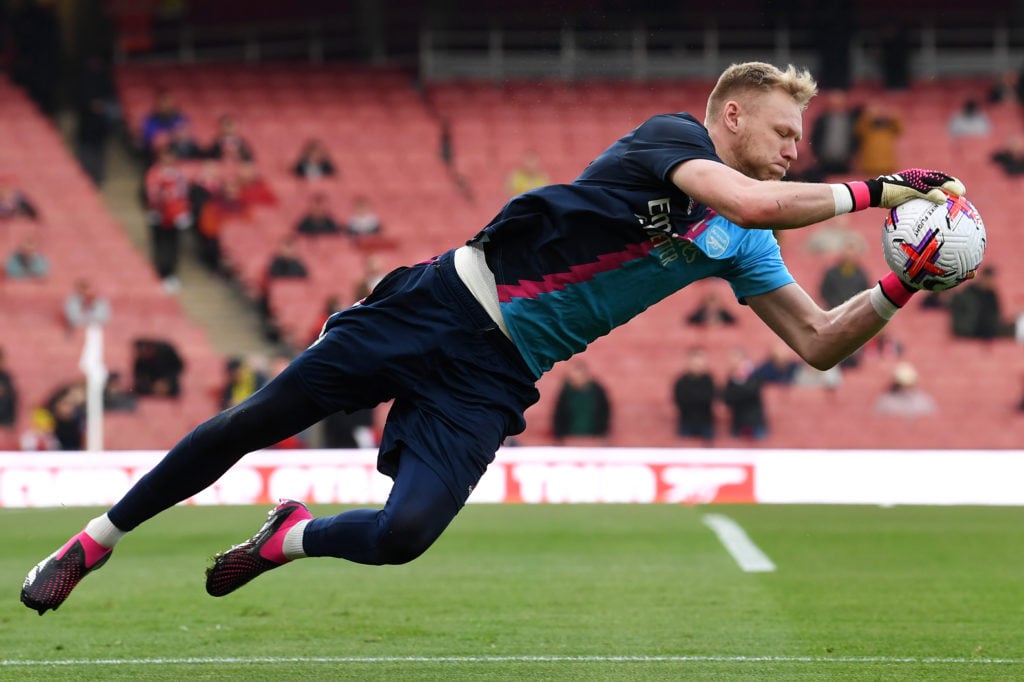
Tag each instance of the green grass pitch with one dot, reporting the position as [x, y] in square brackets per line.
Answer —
[582, 592]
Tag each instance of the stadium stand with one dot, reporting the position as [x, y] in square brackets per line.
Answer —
[384, 134]
[80, 238]
[380, 133]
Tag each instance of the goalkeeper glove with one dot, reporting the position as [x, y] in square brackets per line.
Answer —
[889, 191]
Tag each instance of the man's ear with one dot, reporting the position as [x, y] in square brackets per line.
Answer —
[731, 115]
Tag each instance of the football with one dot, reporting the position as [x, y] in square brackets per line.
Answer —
[934, 246]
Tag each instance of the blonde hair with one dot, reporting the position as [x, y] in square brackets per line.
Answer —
[763, 77]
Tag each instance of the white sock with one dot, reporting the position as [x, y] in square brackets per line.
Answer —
[292, 545]
[104, 532]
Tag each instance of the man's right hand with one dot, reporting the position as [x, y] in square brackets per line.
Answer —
[889, 191]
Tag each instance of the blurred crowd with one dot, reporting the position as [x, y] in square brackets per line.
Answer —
[192, 186]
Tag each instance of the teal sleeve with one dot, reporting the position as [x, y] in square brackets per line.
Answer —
[759, 266]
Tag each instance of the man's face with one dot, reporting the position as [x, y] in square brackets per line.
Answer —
[769, 125]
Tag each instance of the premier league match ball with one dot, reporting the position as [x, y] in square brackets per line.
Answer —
[934, 246]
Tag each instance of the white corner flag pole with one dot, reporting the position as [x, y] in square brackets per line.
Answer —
[91, 364]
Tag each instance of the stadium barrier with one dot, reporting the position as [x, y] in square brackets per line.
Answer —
[555, 475]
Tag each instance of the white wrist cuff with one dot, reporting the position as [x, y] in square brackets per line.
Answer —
[842, 198]
[881, 303]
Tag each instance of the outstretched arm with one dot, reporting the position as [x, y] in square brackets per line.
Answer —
[754, 203]
[822, 338]
[773, 204]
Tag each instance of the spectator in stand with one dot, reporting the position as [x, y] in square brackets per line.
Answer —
[976, 311]
[809, 377]
[582, 408]
[527, 175]
[39, 436]
[349, 430]
[780, 367]
[231, 199]
[832, 236]
[67, 405]
[904, 398]
[711, 312]
[832, 136]
[332, 304]
[845, 278]
[264, 368]
[373, 273]
[117, 397]
[168, 214]
[318, 219]
[969, 121]
[1011, 157]
[742, 395]
[13, 202]
[363, 221]
[1004, 89]
[884, 345]
[229, 145]
[157, 368]
[314, 161]
[936, 300]
[694, 398]
[253, 189]
[182, 142]
[84, 306]
[8, 395]
[159, 124]
[286, 262]
[204, 202]
[97, 111]
[240, 382]
[878, 130]
[26, 262]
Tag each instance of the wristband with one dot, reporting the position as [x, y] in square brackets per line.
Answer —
[890, 295]
[842, 197]
[895, 290]
[882, 305]
[860, 194]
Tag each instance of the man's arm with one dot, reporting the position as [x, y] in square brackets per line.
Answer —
[768, 204]
[773, 204]
[822, 338]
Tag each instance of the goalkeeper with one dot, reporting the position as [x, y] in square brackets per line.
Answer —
[459, 341]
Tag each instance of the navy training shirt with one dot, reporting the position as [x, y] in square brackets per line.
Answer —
[572, 262]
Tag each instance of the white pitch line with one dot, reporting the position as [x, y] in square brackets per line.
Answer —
[748, 555]
[912, 660]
